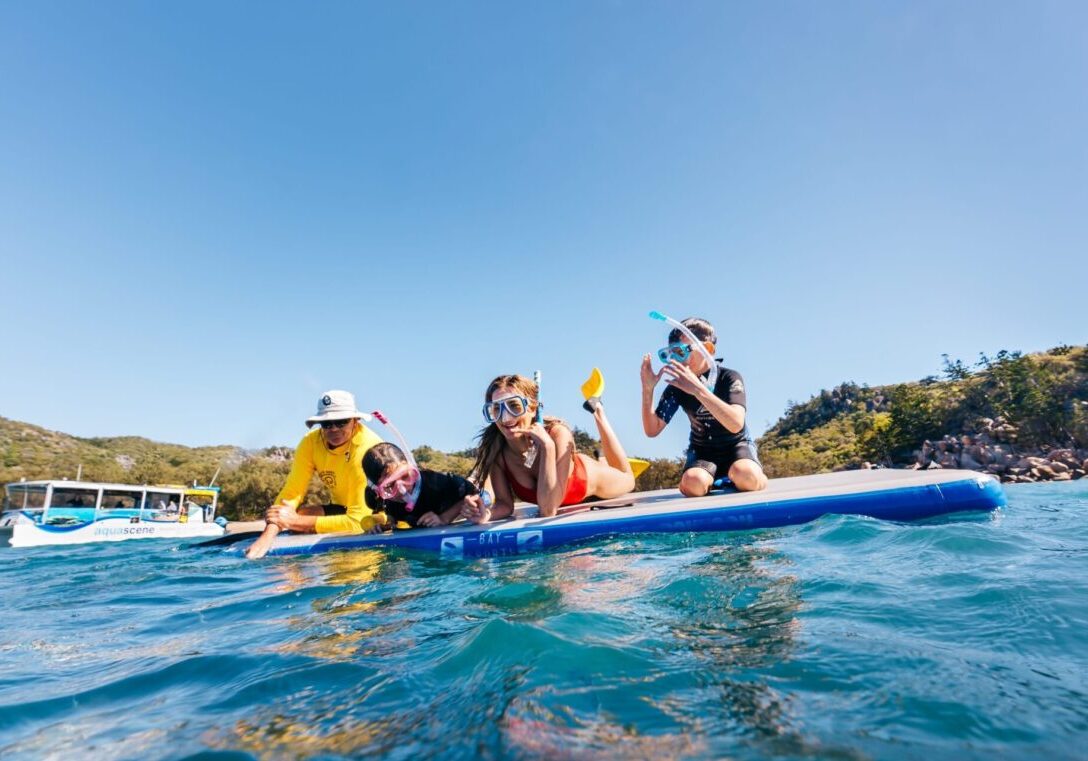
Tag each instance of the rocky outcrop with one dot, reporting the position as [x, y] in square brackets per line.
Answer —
[993, 449]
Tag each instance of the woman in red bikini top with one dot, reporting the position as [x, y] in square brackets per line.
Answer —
[537, 462]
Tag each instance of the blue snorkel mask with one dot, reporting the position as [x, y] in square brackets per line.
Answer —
[678, 351]
[694, 343]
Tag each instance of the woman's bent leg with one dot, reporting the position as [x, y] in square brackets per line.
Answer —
[614, 453]
[614, 478]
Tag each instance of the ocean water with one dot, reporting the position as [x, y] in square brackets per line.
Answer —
[847, 638]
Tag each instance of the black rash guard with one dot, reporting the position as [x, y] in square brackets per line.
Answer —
[440, 492]
[710, 440]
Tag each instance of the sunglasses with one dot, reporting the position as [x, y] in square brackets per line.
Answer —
[327, 425]
[679, 351]
[515, 406]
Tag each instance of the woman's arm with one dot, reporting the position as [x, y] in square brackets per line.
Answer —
[553, 472]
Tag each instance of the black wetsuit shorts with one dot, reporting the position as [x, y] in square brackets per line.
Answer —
[719, 463]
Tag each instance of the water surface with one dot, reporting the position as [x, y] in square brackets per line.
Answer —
[847, 638]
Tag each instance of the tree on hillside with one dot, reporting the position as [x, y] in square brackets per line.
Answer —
[251, 487]
[1036, 394]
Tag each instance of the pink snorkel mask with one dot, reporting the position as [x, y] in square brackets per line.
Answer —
[405, 483]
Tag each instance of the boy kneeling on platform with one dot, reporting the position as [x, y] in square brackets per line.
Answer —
[720, 444]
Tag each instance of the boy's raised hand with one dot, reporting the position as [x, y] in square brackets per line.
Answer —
[646, 372]
[681, 376]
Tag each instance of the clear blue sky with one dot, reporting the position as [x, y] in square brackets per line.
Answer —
[210, 212]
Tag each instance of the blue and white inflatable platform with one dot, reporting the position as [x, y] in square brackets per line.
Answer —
[895, 495]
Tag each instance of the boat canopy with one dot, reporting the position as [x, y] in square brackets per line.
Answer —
[105, 498]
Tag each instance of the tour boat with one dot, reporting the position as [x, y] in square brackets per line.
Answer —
[75, 512]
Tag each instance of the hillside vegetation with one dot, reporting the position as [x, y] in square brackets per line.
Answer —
[989, 416]
[248, 478]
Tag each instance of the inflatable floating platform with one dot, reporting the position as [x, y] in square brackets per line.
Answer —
[895, 495]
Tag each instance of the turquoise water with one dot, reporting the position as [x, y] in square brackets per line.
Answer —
[846, 638]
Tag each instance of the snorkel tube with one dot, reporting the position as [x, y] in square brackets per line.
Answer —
[403, 444]
[712, 379]
[539, 406]
[530, 454]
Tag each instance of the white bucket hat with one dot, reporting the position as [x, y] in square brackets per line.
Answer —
[336, 405]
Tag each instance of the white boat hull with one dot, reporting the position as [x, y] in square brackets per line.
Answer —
[26, 533]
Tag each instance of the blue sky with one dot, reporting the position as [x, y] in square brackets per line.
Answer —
[211, 212]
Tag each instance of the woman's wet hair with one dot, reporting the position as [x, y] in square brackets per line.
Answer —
[702, 329]
[378, 459]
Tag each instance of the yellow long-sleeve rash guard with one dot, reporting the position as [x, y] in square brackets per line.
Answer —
[341, 470]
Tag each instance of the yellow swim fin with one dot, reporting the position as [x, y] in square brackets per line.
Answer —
[595, 385]
[638, 467]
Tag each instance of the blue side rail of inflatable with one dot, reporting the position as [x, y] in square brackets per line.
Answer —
[902, 503]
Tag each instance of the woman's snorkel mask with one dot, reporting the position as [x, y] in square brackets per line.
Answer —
[405, 483]
[681, 351]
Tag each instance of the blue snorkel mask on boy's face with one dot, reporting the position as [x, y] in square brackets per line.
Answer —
[694, 344]
[678, 351]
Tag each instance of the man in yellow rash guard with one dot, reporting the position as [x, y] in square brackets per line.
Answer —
[335, 452]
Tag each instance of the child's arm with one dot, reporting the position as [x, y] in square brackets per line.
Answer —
[651, 423]
[731, 416]
[451, 497]
[447, 516]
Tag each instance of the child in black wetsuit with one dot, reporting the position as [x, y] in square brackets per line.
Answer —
[720, 444]
[418, 497]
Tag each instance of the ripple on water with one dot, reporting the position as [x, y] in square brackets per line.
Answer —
[843, 638]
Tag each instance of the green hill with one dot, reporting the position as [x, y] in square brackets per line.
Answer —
[993, 416]
[31, 452]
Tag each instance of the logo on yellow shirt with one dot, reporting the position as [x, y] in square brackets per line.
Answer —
[328, 478]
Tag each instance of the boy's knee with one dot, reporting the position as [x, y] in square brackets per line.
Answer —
[747, 475]
[695, 482]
